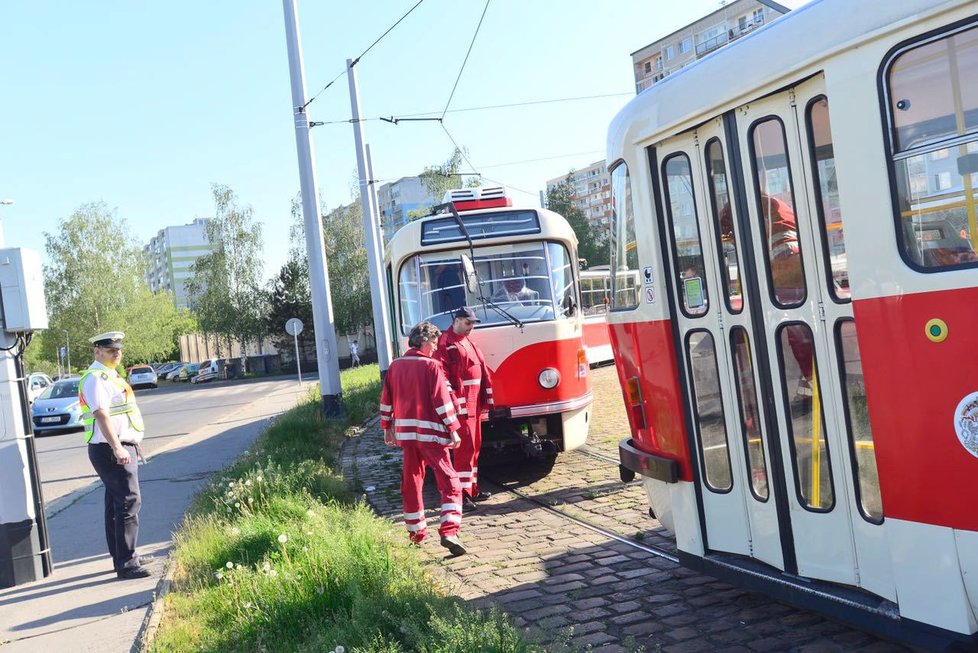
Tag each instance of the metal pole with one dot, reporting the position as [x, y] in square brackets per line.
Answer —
[322, 306]
[68, 351]
[298, 365]
[371, 222]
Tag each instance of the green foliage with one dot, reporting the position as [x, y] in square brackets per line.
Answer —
[278, 555]
[95, 283]
[349, 277]
[592, 243]
[439, 179]
[225, 291]
[289, 297]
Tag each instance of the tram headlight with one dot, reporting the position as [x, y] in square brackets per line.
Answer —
[549, 378]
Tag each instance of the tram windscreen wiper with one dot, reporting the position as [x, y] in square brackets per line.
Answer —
[450, 207]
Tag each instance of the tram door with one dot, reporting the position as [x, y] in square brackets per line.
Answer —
[763, 312]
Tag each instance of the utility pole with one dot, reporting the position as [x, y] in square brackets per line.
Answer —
[25, 554]
[322, 305]
[371, 222]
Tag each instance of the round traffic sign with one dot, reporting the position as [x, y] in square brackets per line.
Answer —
[294, 326]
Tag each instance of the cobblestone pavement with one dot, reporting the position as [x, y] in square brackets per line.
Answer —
[574, 587]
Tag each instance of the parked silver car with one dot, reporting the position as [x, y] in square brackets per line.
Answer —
[57, 408]
[37, 383]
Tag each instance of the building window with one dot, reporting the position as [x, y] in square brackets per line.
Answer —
[648, 67]
[742, 23]
[758, 17]
[942, 180]
[686, 45]
[670, 53]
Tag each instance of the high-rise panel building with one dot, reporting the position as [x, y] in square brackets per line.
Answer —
[727, 24]
[592, 192]
[397, 199]
[170, 257]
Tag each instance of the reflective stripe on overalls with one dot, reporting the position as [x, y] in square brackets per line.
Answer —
[127, 408]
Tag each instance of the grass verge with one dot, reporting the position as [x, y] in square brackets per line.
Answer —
[279, 555]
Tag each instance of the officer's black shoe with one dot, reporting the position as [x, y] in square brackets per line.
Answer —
[134, 572]
[453, 544]
[468, 505]
[482, 496]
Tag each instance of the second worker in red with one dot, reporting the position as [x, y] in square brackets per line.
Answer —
[471, 380]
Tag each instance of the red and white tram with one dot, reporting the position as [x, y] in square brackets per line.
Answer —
[799, 356]
[518, 269]
[595, 300]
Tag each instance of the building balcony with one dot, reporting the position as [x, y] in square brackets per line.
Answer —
[709, 45]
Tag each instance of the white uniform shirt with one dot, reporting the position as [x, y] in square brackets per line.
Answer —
[100, 393]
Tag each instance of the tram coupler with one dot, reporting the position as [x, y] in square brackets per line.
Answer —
[534, 446]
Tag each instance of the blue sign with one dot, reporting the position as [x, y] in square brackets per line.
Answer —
[63, 351]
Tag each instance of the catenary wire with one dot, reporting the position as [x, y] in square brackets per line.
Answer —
[464, 61]
[357, 60]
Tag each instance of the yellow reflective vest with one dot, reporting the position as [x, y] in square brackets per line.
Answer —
[128, 407]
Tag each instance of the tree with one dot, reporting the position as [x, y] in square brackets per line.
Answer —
[439, 179]
[289, 296]
[95, 283]
[592, 244]
[225, 290]
[349, 277]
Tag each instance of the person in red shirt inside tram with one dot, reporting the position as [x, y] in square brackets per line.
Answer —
[418, 414]
[471, 380]
[787, 276]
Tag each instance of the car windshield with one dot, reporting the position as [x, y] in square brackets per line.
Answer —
[532, 281]
[61, 389]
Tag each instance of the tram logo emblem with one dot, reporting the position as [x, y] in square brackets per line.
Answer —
[966, 423]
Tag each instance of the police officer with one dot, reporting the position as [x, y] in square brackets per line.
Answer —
[113, 430]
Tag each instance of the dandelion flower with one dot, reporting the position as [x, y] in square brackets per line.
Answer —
[320, 590]
[273, 573]
[229, 565]
[237, 566]
[266, 567]
[231, 484]
[283, 538]
[218, 575]
[248, 483]
[247, 605]
[309, 533]
[237, 504]
[310, 513]
[235, 531]
[339, 649]
[251, 499]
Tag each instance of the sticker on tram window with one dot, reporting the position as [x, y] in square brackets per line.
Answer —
[647, 271]
[693, 287]
[966, 423]
[650, 294]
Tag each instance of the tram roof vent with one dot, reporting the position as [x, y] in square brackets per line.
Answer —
[480, 197]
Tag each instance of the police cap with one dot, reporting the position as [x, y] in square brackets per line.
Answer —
[108, 340]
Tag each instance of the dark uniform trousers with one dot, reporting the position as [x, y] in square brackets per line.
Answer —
[122, 502]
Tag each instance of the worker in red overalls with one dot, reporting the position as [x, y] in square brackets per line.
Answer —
[418, 414]
[471, 380]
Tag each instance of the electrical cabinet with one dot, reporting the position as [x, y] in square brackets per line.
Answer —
[22, 290]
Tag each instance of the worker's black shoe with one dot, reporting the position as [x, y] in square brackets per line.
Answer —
[482, 496]
[468, 505]
[453, 544]
[134, 572]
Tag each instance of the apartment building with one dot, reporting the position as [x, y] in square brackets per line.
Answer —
[397, 199]
[170, 256]
[592, 191]
[727, 24]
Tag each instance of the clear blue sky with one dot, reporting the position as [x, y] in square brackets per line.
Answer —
[145, 104]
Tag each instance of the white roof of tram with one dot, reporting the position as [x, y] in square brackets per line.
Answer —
[778, 54]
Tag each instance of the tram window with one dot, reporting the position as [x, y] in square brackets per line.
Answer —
[528, 281]
[827, 196]
[595, 291]
[806, 424]
[862, 450]
[709, 411]
[681, 209]
[624, 245]
[716, 172]
[750, 414]
[933, 112]
[775, 199]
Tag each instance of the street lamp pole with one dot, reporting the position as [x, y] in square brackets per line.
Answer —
[68, 351]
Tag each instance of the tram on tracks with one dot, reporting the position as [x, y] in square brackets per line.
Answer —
[595, 300]
[517, 268]
[799, 357]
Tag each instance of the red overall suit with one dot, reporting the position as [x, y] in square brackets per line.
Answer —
[471, 380]
[417, 403]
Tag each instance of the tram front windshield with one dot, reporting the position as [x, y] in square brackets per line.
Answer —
[531, 282]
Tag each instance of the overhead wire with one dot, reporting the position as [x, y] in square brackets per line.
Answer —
[357, 60]
[464, 61]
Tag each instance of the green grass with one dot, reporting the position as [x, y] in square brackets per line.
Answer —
[279, 555]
